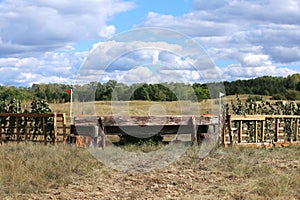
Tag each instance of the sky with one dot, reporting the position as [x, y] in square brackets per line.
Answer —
[49, 41]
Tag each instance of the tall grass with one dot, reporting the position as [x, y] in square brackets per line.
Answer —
[227, 173]
[33, 168]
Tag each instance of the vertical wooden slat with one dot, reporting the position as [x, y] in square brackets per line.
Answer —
[240, 131]
[54, 128]
[224, 134]
[256, 131]
[194, 134]
[25, 129]
[102, 133]
[44, 130]
[297, 130]
[276, 129]
[0, 131]
[64, 121]
[230, 130]
[263, 123]
[17, 129]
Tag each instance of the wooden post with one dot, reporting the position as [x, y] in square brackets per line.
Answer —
[54, 128]
[25, 129]
[276, 129]
[224, 133]
[256, 131]
[240, 131]
[64, 120]
[263, 130]
[0, 131]
[18, 130]
[230, 130]
[102, 133]
[194, 134]
[44, 130]
[297, 130]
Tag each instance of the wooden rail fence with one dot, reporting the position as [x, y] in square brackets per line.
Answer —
[143, 126]
[18, 127]
[261, 130]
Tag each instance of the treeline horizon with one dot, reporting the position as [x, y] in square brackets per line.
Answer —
[279, 88]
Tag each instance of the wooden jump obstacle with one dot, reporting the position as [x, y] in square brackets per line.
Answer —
[21, 129]
[143, 126]
[261, 130]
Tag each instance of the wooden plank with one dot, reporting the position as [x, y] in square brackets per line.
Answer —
[206, 120]
[263, 123]
[256, 131]
[247, 117]
[297, 130]
[102, 133]
[0, 132]
[54, 127]
[64, 125]
[194, 134]
[276, 129]
[26, 114]
[156, 120]
[17, 129]
[261, 117]
[145, 120]
[228, 118]
[240, 136]
[25, 129]
[44, 130]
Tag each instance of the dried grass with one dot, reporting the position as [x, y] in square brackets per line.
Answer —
[65, 172]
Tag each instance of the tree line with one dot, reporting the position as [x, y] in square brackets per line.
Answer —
[278, 87]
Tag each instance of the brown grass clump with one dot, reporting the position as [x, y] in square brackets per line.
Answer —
[34, 168]
[65, 172]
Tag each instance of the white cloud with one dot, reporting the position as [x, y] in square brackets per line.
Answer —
[236, 71]
[38, 25]
[257, 34]
[49, 67]
[37, 36]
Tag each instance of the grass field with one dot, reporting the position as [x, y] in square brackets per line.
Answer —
[138, 107]
[147, 107]
[35, 171]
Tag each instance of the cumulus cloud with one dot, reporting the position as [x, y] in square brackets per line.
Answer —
[38, 26]
[257, 34]
[37, 37]
[47, 68]
[148, 55]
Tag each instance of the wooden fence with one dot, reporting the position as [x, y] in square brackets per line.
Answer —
[143, 126]
[36, 127]
[261, 130]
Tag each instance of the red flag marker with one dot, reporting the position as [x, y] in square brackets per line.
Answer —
[69, 91]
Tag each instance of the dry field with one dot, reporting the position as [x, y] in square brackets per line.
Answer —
[102, 108]
[35, 171]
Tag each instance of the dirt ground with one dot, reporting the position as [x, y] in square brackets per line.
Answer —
[224, 174]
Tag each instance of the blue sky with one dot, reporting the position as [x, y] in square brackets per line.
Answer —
[48, 41]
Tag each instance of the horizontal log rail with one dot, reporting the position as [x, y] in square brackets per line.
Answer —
[142, 126]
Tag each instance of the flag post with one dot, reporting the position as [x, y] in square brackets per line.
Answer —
[71, 107]
[70, 91]
[220, 109]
